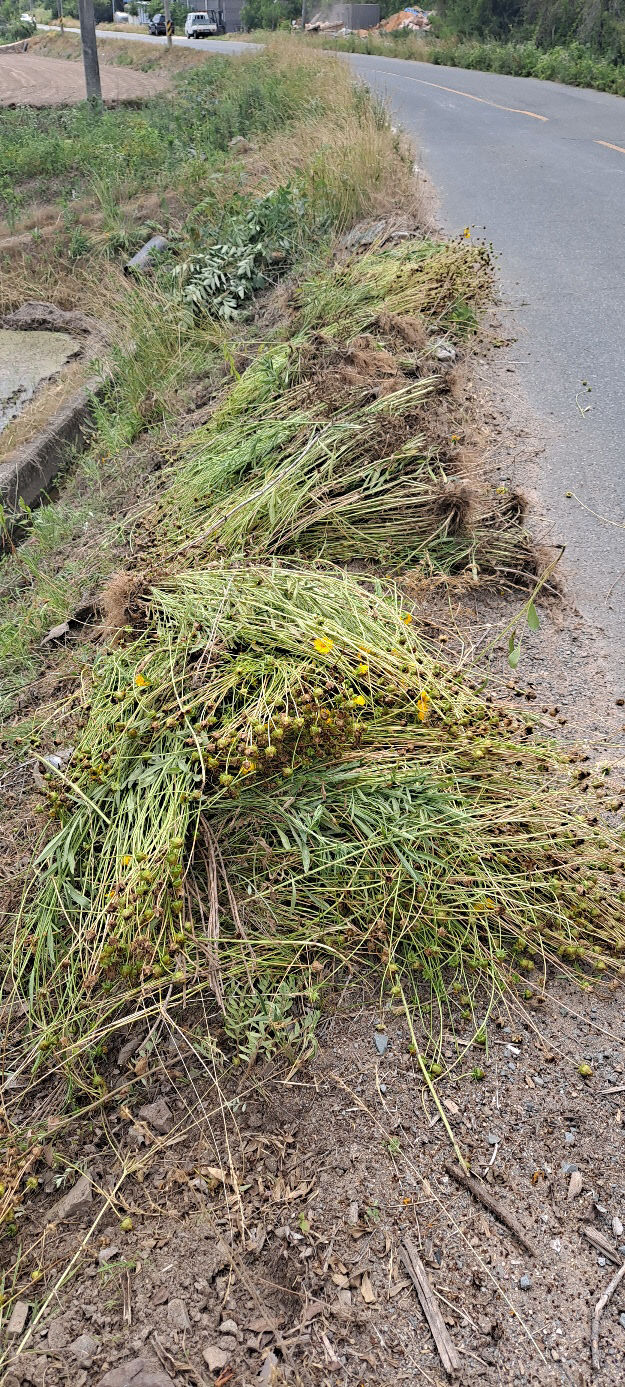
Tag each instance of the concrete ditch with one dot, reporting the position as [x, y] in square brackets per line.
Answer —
[27, 471]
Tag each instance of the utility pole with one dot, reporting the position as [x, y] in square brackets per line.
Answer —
[60, 10]
[303, 14]
[169, 28]
[89, 50]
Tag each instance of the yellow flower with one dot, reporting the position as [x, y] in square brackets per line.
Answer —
[467, 233]
[407, 618]
[359, 701]
[247, 767]
[126, 860]
[362, 669]
[454, 438]
[140, 681]
[323, 644]
[362, 650]
[423, 706]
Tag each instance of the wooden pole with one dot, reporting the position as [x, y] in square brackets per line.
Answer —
[88, 40]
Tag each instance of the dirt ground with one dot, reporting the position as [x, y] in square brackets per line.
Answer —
[28, 80]
[268, 1218]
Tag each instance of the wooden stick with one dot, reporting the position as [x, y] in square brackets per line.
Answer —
[600, 1242]
[447, 1351]
[598, 1311]
[482, 1192]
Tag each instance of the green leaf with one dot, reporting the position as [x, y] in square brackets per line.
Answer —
[533, 620]
[514, 656]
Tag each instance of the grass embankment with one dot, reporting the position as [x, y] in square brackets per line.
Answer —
[264, 777]
[144, 57]
[574, 64]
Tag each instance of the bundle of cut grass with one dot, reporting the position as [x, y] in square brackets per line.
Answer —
[312, 489]
[446, 282]
[301, 460]
[277, 772]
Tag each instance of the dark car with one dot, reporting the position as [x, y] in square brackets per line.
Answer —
[157, 24]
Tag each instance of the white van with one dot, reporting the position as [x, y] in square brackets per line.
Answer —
[204, 24]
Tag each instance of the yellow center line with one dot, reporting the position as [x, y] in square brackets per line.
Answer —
[606, 145]
[482, 99]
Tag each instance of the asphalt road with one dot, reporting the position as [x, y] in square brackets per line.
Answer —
[539, 169]
[215, 46]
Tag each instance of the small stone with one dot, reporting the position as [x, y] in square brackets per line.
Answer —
[214, 1357]
[568, 1168]
[556, 1244]
[445, 352]
[158, 1115]
[106, 1254]
[621, 1320]
[137, 1372]
[229, 1327]
[601, 1261]
[178, 1315]
[19, 1316]
[57, 1335]
[525, 1282]
[617, 1227]
[492, 1139]
[381, 1042]
[229, 1344]
[84, 1348]
[75, 1202]
[569, 1138]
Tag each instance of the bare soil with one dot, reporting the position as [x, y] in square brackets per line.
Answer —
[28, 80]
[269, 1219]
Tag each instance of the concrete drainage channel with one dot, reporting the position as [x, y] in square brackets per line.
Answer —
[41, 349]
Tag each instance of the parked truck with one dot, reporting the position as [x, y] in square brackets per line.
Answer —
[203, 24]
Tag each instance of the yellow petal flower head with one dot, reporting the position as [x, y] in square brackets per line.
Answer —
[362, 669]
[140, 681]
[359, 701]
[323, 645]
[407, 618]
[423, 706]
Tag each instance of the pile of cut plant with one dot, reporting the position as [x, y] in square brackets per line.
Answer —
[274, 777]
[271, 785]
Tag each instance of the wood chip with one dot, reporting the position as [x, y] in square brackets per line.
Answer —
[366, 1290]
[576, 1184]
[447, 1351]
[599, 1241]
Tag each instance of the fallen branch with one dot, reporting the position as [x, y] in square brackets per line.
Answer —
[597, 1313]
[447, 1351]
[482, 1192]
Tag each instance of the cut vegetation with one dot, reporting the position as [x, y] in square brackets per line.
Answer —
[263, 787]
